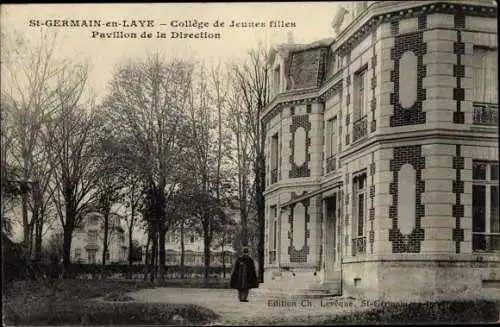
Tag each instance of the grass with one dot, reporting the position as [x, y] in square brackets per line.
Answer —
[74, 302]
[196, 283]
[444, 312]
[428, 312]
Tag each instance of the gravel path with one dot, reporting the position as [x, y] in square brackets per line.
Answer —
[260, 308]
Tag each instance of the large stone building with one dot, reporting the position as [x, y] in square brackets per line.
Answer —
[88, 240]
[382, 153]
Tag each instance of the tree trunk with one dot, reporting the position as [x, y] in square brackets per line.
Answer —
[206, 250]
[38, 238]
[147, 257]
[26, 227]
[223, 258]
[130, 231]
[182, 250]
[162, 252]
[261, 215]
[67, 238]
[105, 240]
[154, 252]
[32, 226]
[130, 253]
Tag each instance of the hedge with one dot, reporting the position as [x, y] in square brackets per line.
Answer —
[24, 270]
[111, 269]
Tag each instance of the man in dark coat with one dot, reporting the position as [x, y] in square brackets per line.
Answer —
[244, 277]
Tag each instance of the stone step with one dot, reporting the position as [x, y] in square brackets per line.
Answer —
[296, 292]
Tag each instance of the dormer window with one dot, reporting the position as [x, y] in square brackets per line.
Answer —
[277, 77]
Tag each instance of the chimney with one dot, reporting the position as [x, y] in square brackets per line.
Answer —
[290, 37]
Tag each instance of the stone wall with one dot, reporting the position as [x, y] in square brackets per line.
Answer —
[399, 281]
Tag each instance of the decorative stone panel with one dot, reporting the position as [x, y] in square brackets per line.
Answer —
[395, 28]
[406, 46]
[458, 189]
[373, 103]
[371, 238]
[458, 92]
[299, 168]
[409, 243]
[459, 20]
[422, 22]
[299, 228]
[460, 13]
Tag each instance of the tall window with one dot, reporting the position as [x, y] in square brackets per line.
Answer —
[91, 256]
[485, 75]
[485, 218]
[359, 214]
[78, 253]
[331, 142]
[360, 192]
[274, 158]
[360, 93]
[273, 234]
[277, 77]
[92, 236]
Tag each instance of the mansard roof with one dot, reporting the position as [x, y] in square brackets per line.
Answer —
[285, 49]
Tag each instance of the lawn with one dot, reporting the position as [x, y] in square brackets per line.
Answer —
[76, 302]
[444, 312]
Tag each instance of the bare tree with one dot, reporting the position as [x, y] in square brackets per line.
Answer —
[240, 126]
[74, 143]
[252, 83]
[208, 182]
[146, 102]
[133, 196]
[30, 80]
[108, 190]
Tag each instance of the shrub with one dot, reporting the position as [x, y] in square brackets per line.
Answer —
[445, 311]
[103, 313]
[67, 302]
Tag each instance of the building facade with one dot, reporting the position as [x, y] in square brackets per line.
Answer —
[382, 153]
[193, 250]
[87, 243]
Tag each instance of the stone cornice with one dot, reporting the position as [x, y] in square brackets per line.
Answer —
[376, 14]
[444, 258]
[419, 136]
[293, 183]
[384, 12]
[303, 96]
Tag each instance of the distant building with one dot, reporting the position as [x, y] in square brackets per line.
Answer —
[382, 153]
[194, 248]
[87, 244]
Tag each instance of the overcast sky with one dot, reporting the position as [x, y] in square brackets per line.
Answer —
[312, 22]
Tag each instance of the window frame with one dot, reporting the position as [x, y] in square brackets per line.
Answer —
[488, 184]
[361, 93]
[93, 235]
[92, 256]
[331, 138]
[479, 94]
[359, 192]
[277, 78]
[275, 155]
